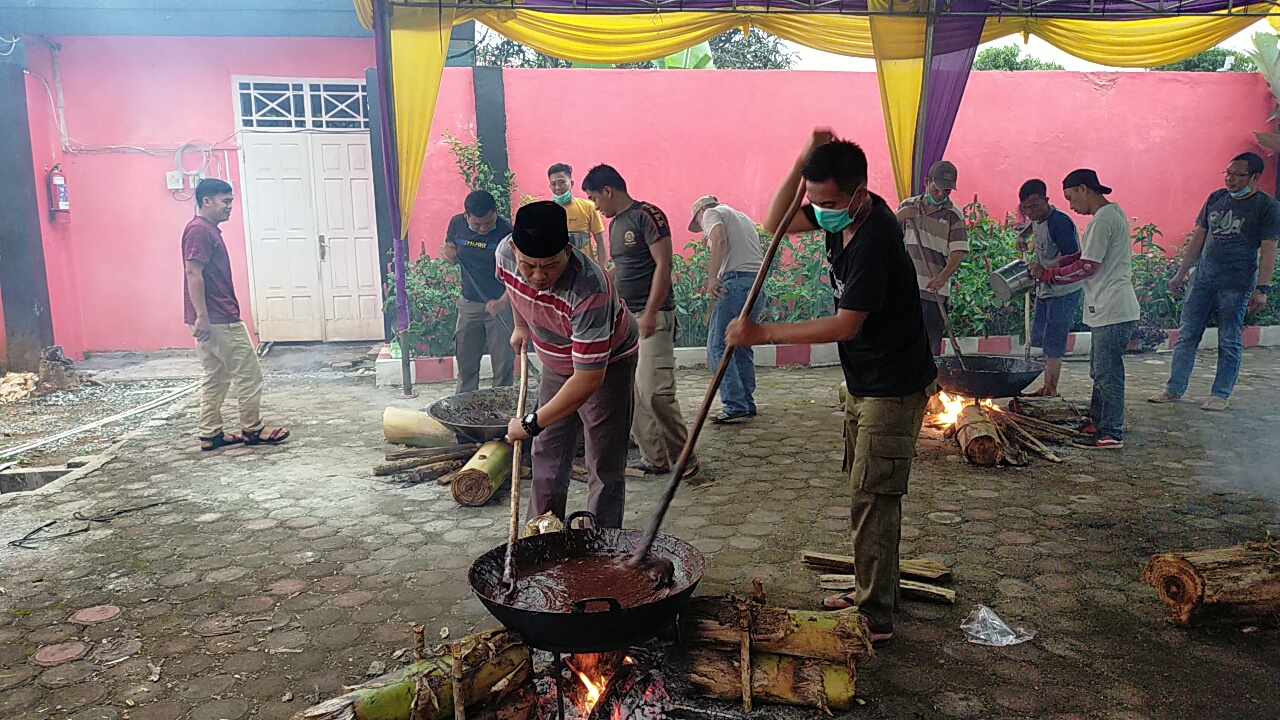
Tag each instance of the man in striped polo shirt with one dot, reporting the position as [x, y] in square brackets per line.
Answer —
[934, 231]
[587, 342]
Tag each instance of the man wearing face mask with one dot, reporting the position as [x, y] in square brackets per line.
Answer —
[884, 353]
[934, 231]
[1236, 224]
[484, 312]
[586, 230]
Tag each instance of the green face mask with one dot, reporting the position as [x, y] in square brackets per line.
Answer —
[563, 199]
[929, 198]
[833, 221]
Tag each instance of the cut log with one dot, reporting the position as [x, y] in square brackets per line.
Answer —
[839, 636]
[909, 588]
[916, 569]
[428, 453]
[412, 427]
[780, 679]
[978, 437]
[435, 471]
[483, 475]
[1046, 427]
[447, 478]
[1220, 586]
[1031, 441]
[1014, 454]
[497, 680]
[395, 466]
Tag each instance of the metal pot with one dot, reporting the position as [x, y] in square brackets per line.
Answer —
[595, 624]
[1011, 281]
[987, 376]
[447, 411]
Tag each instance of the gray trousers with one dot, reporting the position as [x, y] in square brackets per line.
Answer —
[603, 422]
[880, 439]
[477, 330]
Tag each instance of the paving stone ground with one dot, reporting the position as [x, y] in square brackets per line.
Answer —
[286, 571]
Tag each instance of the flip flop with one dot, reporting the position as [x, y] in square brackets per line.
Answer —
[220, 440]
[275, 437]
[843, 601]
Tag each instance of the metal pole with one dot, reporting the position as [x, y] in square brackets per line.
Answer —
[917, 155]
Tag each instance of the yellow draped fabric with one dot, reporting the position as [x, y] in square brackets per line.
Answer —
[420, 39]
[900, 72]
[419, 45]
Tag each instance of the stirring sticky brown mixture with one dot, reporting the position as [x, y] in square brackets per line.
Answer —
[554, 586]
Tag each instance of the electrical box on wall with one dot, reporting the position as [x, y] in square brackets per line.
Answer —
[173, 179]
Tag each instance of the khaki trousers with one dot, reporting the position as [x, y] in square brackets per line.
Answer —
[880, 439]
[658, 427]
[229, 360]
[476, 330]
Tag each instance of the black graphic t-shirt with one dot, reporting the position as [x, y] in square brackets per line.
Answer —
[475, 255]
[1234, 230]
[874, 274]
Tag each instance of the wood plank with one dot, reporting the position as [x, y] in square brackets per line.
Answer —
[916, 569]
[909, 588]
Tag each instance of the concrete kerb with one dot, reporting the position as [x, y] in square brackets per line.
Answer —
[433, 369]
[100, 459]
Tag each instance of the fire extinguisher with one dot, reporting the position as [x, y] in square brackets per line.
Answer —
[58, 200]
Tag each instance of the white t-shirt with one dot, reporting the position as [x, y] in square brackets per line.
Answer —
[743, 253]
[1108, 293]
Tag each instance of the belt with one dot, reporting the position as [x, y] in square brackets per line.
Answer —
[737, 274]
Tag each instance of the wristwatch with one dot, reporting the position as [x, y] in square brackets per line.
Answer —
[1264, 289]
[530, 424]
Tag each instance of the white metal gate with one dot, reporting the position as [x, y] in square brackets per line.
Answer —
[308, 206]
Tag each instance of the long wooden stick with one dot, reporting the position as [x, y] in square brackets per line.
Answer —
[513, 530]
[1033, 442]
[677, 474]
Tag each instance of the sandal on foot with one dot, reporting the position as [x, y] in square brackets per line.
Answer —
[220, 440]
[266, 436]
[843, 601]
[1039, 394]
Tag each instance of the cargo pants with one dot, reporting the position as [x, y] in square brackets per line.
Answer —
[880, 439]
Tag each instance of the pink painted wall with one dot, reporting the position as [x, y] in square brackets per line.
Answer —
[1161, 139]
[115, 264]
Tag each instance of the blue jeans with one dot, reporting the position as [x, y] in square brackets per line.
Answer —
[737, 390]
[1203, 297]
[1106, 368]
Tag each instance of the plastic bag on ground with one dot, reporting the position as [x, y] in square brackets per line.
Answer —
[984, 627]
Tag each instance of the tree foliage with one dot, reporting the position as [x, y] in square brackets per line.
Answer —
[1212, 60]
[493, 50]
[1010, 57]
[755, 50]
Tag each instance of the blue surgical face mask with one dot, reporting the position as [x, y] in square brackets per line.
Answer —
[1242, 193]
[563, 199]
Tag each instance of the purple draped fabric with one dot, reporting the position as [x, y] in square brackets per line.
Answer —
[1119, 9]
[390, 165]
[948, 74]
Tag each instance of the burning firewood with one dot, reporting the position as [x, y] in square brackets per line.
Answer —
[978, 436]
[1224, 585]
[483, 475]
[497, 684]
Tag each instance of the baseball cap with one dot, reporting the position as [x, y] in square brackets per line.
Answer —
[943, 174]
[1086, 177]
[703, 203]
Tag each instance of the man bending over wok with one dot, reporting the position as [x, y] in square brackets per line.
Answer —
[587, 341]
[884, 352]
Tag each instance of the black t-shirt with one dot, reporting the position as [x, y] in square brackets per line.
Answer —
[475, 255]
[631, 232]
[890, 355]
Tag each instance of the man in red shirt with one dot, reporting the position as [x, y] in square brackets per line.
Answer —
[226, 351]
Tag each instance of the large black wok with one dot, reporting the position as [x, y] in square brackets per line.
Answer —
[987, 376]
[595, 624]
[482, 415]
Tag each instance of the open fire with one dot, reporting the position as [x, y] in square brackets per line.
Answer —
[605, 686]
[953, 404]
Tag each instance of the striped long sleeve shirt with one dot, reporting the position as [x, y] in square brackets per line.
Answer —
[577, 324]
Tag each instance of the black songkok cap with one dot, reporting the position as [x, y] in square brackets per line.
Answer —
[541, 229]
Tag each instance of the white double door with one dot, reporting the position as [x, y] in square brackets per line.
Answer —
[312, 236]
